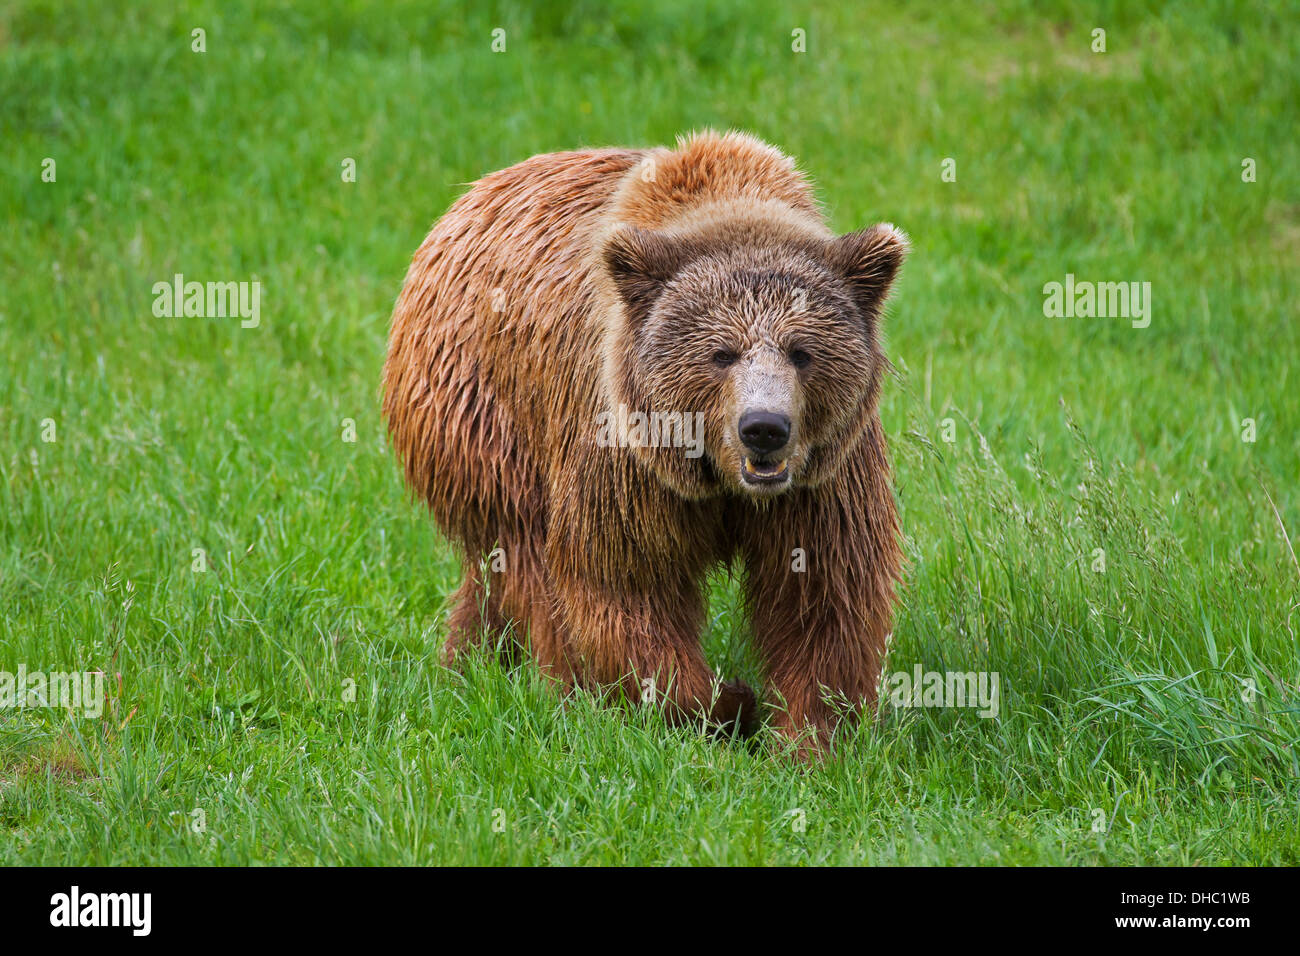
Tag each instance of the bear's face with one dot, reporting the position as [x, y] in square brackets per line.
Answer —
[772, 349]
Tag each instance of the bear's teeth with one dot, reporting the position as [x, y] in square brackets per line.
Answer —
[767, 470]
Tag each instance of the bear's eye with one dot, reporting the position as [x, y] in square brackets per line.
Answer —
[799, 358]
[722, 358]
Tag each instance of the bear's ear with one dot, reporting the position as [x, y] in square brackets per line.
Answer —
[868, 260]
[640, 262]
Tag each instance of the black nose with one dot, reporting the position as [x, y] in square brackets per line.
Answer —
[764, 432]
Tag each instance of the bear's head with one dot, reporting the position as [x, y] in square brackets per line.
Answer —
[767, 345]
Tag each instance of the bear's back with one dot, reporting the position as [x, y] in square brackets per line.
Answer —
[707, 168]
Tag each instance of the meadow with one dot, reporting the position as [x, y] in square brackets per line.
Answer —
[208, 513]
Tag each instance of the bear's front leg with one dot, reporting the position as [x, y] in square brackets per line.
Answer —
[821, 568]
[647, 645]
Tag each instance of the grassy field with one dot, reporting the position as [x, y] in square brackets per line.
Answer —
[284, 703]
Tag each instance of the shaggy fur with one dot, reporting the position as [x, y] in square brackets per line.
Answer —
[699, 279]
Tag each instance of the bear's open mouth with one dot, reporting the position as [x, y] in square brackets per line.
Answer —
[765, 472]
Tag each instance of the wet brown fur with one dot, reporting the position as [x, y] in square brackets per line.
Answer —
[544, 296]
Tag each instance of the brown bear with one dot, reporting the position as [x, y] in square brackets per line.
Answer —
[612, 370]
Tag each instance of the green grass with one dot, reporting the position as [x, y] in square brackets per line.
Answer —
[1122, 689]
